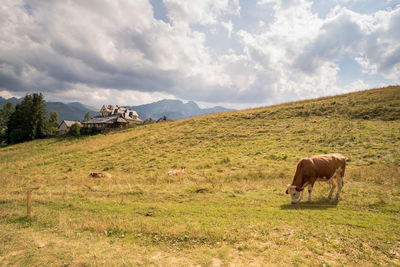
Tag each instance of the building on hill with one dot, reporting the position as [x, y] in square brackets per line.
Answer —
[65, 125]
[113, 117]
[106, 122]
[128, 114]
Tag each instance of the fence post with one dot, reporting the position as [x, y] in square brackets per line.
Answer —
[29, 203]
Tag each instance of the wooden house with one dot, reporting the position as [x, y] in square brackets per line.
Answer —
[113, 117]
[101, 123]
[128, 114]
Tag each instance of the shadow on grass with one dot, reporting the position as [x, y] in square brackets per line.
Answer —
[22, 221]
[312, 205]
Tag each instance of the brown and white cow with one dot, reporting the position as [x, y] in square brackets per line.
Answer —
[328, 167]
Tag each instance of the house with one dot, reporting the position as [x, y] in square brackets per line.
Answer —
[100, 123]
[128, 114]
[113, 117]
[65, 125]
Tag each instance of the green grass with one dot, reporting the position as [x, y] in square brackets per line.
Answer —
[228, 209]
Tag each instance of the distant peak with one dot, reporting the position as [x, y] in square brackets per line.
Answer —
[170, 101]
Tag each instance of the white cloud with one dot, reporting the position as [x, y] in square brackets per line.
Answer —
[374, 38]
[367, 67]
[114, 45]
[203, 12]
[228, 26]
[6, 94]
[99, 96]
[357, 85]
[116, 51]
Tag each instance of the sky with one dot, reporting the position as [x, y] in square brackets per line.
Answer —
[234, 53]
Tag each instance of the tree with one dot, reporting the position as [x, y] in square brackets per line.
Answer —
[39, 119]
[53, 123]
[28, 121]
[19, 126]
[87, 117]
[75, 129]
[5, 115]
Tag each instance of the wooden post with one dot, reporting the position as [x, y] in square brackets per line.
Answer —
[29, 203]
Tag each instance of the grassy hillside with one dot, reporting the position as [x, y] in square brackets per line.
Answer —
[228, 209]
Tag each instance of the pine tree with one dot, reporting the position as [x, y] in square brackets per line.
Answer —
[5, 115]
[39, 113]
[19, 126]
[28, 121]
[87, 117]
[53, 123]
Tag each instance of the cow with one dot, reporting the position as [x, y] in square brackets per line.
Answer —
[328, 167]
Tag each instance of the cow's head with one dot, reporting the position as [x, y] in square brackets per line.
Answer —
[295, 192]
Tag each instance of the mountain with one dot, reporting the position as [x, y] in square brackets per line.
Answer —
[173, 109]
[84, 108]
[71, 111]
[13, 100]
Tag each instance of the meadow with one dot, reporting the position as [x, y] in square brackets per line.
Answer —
[228, 209]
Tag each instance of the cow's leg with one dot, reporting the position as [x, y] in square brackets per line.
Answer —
[310, 187]
[333, 186]
[340, 184]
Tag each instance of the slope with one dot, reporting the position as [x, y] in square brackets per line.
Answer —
[229, 208]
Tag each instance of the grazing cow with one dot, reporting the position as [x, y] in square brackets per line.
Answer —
[329, 167]
[176, 172]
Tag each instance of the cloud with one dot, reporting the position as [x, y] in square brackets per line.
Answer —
[373, 38]
[306, 49]
[117, 44]
[117, 51]
[203, 12]
[228, 26]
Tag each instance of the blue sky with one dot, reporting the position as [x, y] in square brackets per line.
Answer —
[233, 53]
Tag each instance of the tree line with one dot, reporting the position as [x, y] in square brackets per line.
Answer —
[27, 120]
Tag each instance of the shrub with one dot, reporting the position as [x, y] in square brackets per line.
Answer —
[75, 130]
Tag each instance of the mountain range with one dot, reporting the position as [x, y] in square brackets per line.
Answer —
[70, 111]
[173, 109]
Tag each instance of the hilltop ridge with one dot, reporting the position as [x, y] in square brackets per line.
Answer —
[379, 103]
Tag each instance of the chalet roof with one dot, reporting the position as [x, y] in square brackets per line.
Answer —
[109, 119]
[69, 123]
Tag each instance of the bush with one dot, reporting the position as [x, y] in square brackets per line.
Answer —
[75, 130]
[89, 131]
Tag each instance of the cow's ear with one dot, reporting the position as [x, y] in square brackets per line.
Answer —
[287, 191]
[298, 189]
